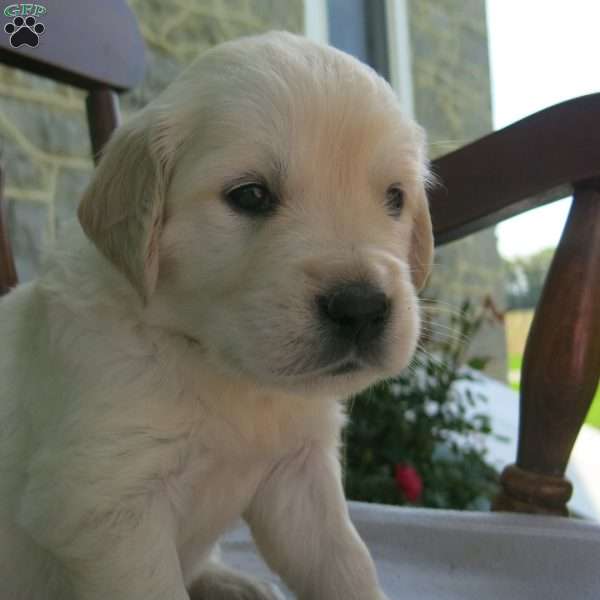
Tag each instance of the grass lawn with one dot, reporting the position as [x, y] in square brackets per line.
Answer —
[593, 417]
[514, 362]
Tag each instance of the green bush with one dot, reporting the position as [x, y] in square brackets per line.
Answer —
[415, 439]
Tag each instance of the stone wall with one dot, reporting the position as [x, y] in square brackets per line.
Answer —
[452, 99]
[44, 148]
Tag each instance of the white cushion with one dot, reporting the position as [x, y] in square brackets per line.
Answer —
[447, 555]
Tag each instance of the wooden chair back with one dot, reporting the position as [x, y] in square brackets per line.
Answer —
[88, 44]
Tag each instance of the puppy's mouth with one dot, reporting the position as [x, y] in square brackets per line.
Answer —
[345, 366]
[348, 366]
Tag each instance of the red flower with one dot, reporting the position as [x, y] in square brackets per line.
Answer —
[409, 482]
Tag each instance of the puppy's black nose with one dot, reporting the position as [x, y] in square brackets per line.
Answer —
[359, 311]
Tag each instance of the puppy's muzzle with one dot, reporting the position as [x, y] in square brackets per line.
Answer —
[355, 314]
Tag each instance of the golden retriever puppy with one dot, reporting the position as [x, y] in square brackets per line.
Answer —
[247, 256]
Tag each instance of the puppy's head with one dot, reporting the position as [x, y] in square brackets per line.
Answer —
[271, 206]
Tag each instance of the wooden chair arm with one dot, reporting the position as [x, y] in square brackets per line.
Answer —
[87, 43]
[541, 158]
[522, 166]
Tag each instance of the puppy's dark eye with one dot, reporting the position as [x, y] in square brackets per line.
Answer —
[394, 200]
[253, 199]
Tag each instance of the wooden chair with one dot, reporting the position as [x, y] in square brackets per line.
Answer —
[88, 44]
[546, 156]
[507, 172]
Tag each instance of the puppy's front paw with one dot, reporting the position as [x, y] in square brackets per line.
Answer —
[226, 584]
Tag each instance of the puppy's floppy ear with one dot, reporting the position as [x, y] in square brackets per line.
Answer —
[122, 209]
[421, 246]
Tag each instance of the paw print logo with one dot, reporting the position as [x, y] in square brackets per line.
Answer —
[24, 31]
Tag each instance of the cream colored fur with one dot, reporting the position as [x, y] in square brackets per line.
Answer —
[160, 380]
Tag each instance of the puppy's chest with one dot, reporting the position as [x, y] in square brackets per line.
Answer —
[224, 465]
[210, 494]
[234, 441]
